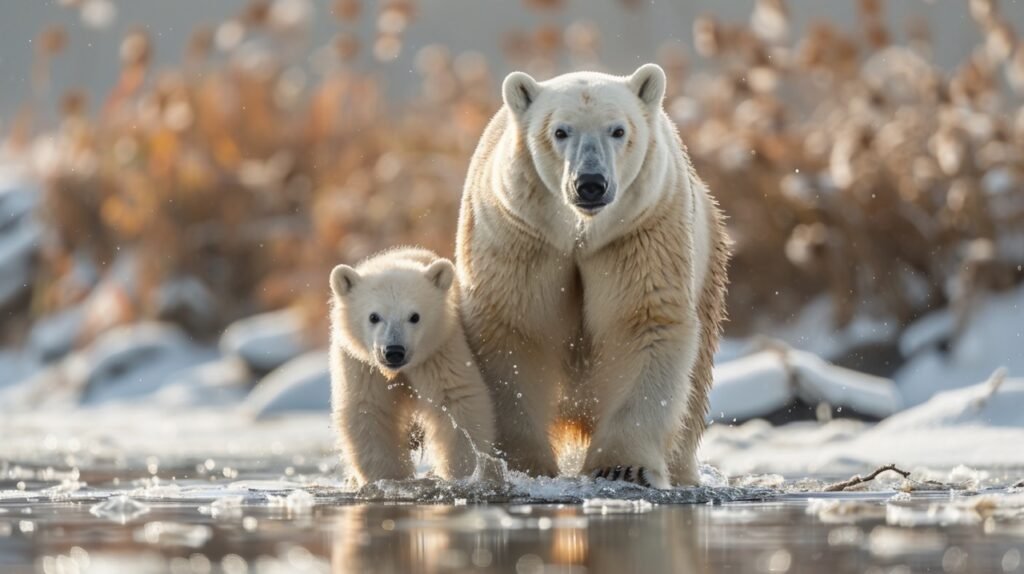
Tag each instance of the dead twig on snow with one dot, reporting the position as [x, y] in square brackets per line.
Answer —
[995, 380]
[858, 479]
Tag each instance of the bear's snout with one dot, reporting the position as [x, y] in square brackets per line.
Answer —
[591, 191]
[394, 356]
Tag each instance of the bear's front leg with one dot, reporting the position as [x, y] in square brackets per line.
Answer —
[644, 336]
[372, 415]
[639, 416]
[456, 409]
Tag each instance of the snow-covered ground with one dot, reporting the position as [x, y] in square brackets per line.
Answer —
[147, 390]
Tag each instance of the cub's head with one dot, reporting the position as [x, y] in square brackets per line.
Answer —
[394, 317]
[587, 133]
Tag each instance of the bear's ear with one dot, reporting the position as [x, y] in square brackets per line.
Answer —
[441, 273]
[648, 83]
[343, 279]
[519, 91]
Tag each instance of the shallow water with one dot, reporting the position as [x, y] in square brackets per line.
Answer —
[214, 516]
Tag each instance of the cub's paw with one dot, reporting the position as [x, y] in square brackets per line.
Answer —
[636, 474]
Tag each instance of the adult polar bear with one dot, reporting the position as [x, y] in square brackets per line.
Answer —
[593, 267]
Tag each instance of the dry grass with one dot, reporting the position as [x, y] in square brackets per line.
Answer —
[849, 166]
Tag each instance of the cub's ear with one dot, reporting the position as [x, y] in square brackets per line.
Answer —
[648, 83]
[343, 279]
[519, 91]
[441, 273]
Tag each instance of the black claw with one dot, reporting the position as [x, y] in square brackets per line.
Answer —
[642, 477]
[601, 473]
[628, 475]
[617, 473]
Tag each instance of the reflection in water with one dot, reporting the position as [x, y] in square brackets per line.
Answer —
[517, 539]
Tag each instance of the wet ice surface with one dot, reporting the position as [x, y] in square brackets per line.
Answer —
[135, 490]
[295, 514]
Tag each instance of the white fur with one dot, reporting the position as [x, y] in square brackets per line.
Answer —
[374, 405]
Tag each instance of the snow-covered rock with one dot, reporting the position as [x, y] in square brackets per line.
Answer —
[219, 383]
[301, 384]
[969, 426]
[188, 302]
[977, 405]
[993, 337]
[20, 234]
[53, 336]
[764, 382]
[123, 364]
[266, 341]
[15, 366]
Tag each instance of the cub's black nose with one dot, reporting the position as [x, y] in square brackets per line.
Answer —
[394, 355]
[590, 188]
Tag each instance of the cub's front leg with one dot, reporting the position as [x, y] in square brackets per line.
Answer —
[372, 416]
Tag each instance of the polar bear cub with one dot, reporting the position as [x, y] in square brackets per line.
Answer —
[398, 352]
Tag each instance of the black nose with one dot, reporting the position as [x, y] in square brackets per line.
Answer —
[591, 187]
[394, 355]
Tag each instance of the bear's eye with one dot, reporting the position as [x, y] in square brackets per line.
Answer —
[618, 133]
[374, 318]
[561, 134]
[414, 318]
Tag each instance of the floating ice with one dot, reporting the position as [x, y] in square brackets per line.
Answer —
[837, 511]
[225, 507]
[120, 508]
[616, 506]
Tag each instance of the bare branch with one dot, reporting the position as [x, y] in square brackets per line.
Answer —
[858, 479]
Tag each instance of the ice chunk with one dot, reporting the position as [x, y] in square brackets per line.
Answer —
[267, 341]
[616, 506]
[301, 384]
[119, 508]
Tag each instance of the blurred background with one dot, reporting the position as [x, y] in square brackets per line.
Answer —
[177, 179]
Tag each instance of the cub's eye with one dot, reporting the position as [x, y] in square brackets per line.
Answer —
[561, 134]
[618, 133]
[374, 318]
[414, 318]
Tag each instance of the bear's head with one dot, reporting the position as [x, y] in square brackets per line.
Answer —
[395, 317]
[588, 133]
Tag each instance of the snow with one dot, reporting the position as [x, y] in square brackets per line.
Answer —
[301, 384]
[813, 330]
[124, 363]
[951, 429]
[266, 341]
[769, 380]
[993, 337]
